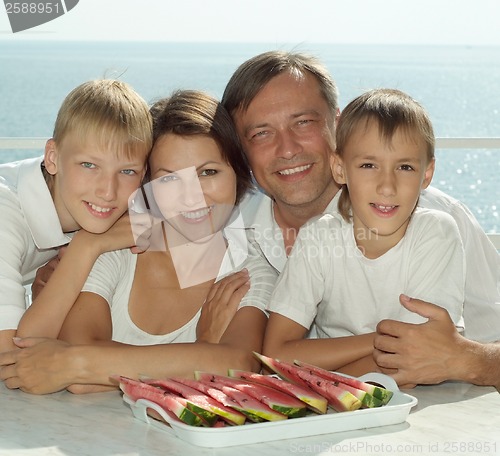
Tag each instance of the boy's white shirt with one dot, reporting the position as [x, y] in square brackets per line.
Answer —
[328, 283]
[30, 234]
[482, 285]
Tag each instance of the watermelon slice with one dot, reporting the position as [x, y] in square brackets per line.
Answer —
[274, 399]
[338, 398]
[254, 409]
[377, 392]
[313, 400]
[178, 406]
[206, 406]
[216, 394]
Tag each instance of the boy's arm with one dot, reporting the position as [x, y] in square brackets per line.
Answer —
[51, 365]
[285, 340]
[45, 316]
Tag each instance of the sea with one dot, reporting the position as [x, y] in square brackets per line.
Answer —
[458, 85]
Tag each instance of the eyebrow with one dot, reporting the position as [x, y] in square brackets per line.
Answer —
[374, 158]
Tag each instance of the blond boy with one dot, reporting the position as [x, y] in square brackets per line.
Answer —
[94, 161]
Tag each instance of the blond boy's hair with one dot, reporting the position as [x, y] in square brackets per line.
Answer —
[392, 110]
[109, 112]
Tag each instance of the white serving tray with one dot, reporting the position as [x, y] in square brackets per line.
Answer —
[394, 412]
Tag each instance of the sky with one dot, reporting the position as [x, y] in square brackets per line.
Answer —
[436, 22]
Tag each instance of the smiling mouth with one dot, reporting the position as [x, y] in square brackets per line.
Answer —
[290, 171]
[198, 214]
[383, 208]
[102, 210]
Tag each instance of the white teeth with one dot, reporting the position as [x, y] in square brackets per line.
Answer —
[196, 214]
[98, 208]
[299, 169]
[384, 208]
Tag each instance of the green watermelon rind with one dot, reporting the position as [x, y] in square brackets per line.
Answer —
[207, 415]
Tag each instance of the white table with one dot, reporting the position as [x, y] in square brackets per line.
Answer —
[450, 419]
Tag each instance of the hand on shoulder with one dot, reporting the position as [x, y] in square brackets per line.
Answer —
[425, 353]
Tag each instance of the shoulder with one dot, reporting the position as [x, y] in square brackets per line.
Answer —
[116, 260]
[431, 222]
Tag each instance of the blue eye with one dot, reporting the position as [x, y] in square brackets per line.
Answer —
[128, 172]
[88, 165]
[168, 178]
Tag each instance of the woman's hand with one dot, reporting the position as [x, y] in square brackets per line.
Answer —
[221, 305]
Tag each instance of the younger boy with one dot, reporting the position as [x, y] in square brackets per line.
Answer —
[95, 160]
[348, 269]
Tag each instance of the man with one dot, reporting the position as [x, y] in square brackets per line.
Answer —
[284, 106]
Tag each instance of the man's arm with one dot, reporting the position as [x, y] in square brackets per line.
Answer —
[434, 351]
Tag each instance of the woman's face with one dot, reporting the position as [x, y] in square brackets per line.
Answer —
[193, 186]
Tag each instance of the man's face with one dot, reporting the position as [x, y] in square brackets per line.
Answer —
[287, 132]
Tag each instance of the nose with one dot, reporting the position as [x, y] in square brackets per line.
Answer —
[107, 187]
[288, 145]
[387, 184]
[191, 193]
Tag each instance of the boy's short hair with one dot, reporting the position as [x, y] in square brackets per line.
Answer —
[252, 75]
[192, 112]
[392, 109]
[108, 111]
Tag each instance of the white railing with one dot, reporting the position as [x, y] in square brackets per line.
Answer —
[441, 143]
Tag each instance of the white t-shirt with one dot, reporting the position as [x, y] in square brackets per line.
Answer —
[30, 234]
[327, 280]
[113, 274]
[482, 283]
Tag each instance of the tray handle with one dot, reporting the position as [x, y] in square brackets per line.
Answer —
[382, 379]
[139, 409]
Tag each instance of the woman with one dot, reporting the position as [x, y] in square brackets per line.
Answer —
[165, 298]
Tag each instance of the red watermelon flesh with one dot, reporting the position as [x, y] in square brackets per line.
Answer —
[254, 409]
[276, 400]
[176, 405]
[314, 401]
[381, 394]
[201, 400]
[339, 399]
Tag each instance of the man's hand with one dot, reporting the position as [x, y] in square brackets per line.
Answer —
[43, 273]
[37, 366]
[425, 353]
[221, 305]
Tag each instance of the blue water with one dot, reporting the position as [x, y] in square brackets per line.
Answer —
[459, 86]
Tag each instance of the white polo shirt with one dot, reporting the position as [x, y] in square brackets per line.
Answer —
[30, 234]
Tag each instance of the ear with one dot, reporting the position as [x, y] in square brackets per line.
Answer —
[337, 167]
[429, 173]
[50, 157]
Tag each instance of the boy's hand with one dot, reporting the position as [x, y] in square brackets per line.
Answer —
[221, 306]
